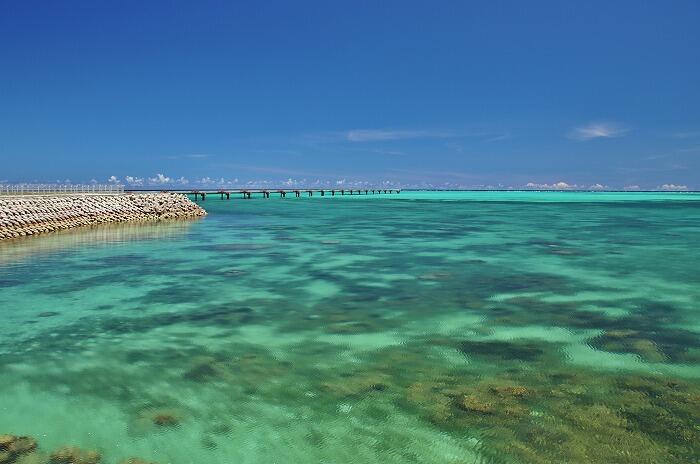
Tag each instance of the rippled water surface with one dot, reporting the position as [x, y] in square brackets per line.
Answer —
[413, 328]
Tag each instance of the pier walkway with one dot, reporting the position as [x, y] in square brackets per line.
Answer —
[265, 193]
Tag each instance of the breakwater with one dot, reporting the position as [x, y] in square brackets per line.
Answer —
[31, 215]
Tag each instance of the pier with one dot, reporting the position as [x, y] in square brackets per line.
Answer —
[248, 194]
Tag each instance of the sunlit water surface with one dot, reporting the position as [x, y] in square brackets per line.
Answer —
[413, 328]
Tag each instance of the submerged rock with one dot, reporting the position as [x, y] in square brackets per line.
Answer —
[22, 445]
[509, 351]
[204, 369]
[471, 403]
[435, 276]
[136, 461]
[74, 455]
[13, 446]
[166, 420]
[32, 458]
[510, 391]
[233, 272]
[629, 341]
[357, 384]
[48, 314]
[5, 457]
[5, 441]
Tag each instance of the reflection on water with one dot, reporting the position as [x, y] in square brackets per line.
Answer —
[22, 248]
[388, 330]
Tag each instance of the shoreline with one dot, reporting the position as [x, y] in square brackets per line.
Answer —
[26, 215]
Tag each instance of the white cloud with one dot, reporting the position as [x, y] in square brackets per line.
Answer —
[132, 180]
[597, 187]
[159, 179]
[208, 181]
[555, 186]
[596, 130]
[672, 187]
[113, 180]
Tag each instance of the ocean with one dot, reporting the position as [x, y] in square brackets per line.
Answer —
[420, 327]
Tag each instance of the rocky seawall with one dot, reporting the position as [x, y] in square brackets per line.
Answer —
[31, 215]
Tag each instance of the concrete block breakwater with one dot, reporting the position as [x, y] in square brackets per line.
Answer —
[31, 215]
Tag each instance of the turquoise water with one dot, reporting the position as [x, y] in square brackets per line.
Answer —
[452, 327]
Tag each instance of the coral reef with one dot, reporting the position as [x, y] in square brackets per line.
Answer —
[522, 413]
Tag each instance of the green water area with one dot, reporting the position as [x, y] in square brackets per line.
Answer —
[423, 327]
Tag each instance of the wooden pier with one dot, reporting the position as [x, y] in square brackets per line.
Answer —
[296, 193]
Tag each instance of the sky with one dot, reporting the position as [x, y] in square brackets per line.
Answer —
[441, 94]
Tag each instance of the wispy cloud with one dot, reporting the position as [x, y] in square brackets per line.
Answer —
[498, 138]
[388, 135]
[389, 152]
[277, 170]
[456, 147]
[190, 156]
[374, 135]
[277, 151]
[686, 135]
[597, 130]
[659, 156]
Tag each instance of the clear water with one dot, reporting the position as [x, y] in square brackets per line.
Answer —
[453, 327]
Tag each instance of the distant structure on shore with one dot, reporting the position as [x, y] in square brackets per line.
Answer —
[64, 189]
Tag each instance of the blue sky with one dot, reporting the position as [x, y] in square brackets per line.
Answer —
[464, 94]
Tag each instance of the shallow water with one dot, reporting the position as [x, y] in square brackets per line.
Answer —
[456, 327]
